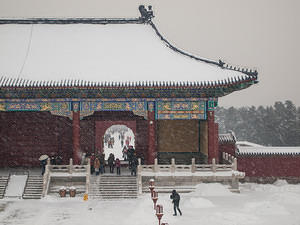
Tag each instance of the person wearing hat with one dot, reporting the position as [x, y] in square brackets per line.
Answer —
[176, 198]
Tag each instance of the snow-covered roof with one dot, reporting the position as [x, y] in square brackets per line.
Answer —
[230, 137]
[112, 52]
[247, 144]
[263, 150]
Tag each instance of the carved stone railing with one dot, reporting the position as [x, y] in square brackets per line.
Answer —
[172, 168]
[66, 170]
[194, 169]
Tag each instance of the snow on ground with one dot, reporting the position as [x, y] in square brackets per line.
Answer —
[16, 186]
[210, 204]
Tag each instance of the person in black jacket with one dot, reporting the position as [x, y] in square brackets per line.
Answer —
[176, 198]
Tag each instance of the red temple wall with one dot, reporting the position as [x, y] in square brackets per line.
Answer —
[270, 166]
[24, 136]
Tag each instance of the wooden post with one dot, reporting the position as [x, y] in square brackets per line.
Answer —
[151, 133]
[76, 137]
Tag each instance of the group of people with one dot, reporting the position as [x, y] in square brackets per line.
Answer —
[98, 163]
[54, 160]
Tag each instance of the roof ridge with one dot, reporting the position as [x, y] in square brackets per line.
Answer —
[220, 63]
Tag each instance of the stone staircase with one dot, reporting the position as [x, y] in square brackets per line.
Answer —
[113, 187]
[34, 187]
[3, 185]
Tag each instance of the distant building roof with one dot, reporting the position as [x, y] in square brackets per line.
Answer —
[223, 138]
[247, 144]
[248, 148]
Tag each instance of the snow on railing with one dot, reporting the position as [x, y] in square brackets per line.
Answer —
[194, 169]
[69, 170]
[213, 167]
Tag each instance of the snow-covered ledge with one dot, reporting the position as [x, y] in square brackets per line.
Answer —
[205, 172]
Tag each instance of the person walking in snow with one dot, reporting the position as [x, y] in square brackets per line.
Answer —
[175, 200]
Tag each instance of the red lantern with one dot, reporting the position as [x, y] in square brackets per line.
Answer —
[151, 185]
[154, 196]
[159, 212]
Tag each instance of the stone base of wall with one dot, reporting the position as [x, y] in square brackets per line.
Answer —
[181, 183]
[270, 180]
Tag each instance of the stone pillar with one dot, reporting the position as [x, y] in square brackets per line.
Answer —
[151, 133]
[76, 137]
[213, 144]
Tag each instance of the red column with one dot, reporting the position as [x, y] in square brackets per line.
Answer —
[151, 133]
[76, 137]
[212, 137]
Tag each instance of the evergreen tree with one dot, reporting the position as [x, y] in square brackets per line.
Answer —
[277, 125]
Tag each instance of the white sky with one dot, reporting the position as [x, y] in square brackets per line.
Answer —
[257, 34]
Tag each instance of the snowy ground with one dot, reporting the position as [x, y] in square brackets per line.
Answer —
[118, 147]
[210, 204]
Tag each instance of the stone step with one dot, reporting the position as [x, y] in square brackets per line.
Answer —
[114, 195]
[113, 187]
[3, 185]
[33, 188]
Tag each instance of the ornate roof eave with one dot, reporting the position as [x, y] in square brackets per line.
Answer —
[17, 88]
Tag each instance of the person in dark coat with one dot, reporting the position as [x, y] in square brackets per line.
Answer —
[92, 163]
[134, 164]
[43, 165]
[102, 163]
[130, 155]
[111, 161]
[118, 166]
[175, 200]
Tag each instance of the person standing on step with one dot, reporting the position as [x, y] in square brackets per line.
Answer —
[43, 165]
[134, 164]
[111, 161]
[97, 165]
[118, 166]
[102, 163]
[175, 200]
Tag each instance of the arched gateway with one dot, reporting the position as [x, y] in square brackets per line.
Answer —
[45, 113]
